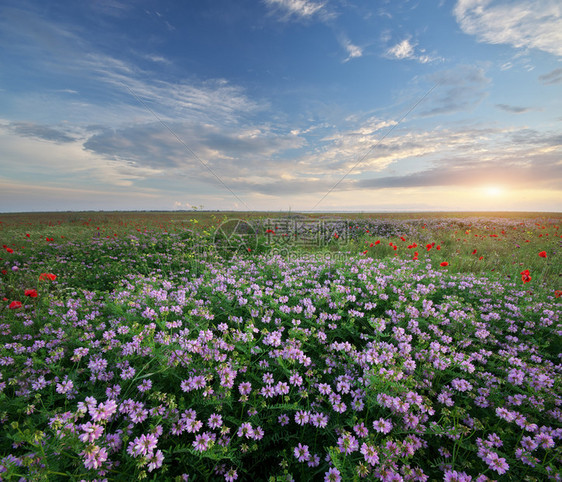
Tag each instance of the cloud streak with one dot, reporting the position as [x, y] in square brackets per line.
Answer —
[530, 24]
[553, 77]
[460, 89]
[231, 152]
[405, 50]
[506, 172]
[513, 108]
[353, 51]
[30, 129]
[117, 81]
[299, 9]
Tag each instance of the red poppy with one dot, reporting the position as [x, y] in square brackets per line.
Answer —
[365, 252]
[444, 263]
[481, 258]
[542, 254]
[438, 247]
[428, 246]
[28, 235]
[474, 252]
[378, 241]
[371, 245]
[525, 276]
[402, 238]
[10, 250]
[15, 305]
[47, 276]
[558, 293]
[31, 293]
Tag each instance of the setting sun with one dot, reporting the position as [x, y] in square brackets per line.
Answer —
[493, 190]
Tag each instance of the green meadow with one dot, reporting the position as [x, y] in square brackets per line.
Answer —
[280, 346]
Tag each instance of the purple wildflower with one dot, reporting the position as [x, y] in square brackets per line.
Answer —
[215, 420]
[382, 425]
[301, 453]
[333, 475]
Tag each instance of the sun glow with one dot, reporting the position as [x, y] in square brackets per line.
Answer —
[493, 190]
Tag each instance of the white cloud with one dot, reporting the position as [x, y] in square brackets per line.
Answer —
[157, 59]
[51, 47]
[298, 8]
[402, 50]
[522, 24]
[37, 154]
[228, 152]
[353, 51]
[406, 50]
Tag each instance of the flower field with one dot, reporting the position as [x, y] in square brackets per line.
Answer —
[413, 349]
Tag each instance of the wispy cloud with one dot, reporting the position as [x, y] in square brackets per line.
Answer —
[66, 91]
[132, 111]
[47, 161]
[446, 157]
[405, 50]
[299, 9]
[402, 50]
[518, 159]
[307, 10]
[230, 151]
[514, 109]
[104, 118]
[51, 47]
[30, 129]
[112, 8]
[529, 24]
[554, 77]
[353, 51]
[157, 59]
[460, 89]
[547, 175]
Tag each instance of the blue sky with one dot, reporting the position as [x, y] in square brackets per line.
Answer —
[327, 105]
